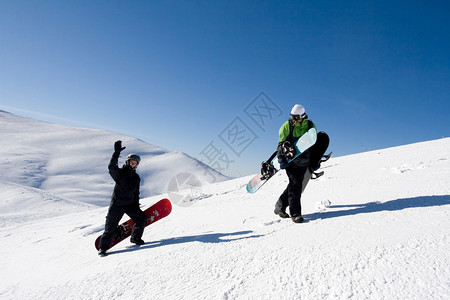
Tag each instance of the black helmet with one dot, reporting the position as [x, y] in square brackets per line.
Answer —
[132, 156]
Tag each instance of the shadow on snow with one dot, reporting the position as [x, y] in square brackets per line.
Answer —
[209, 238]
[393, 205]
[346, 210]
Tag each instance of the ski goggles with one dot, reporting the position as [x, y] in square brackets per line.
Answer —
[298, 117]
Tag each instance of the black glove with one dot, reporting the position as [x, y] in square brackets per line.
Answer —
[285, 151]
[288, 150]
[118, 147]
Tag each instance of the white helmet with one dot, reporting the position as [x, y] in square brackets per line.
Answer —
[298, 110]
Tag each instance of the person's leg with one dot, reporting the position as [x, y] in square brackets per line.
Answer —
[282, 204]
[112, 221]
[296, 175]
[140, 220]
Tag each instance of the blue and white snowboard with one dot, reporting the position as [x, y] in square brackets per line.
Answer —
[302, 144]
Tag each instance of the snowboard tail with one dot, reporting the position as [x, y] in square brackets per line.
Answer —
[154, 213]
[318, 150]
[267, 171]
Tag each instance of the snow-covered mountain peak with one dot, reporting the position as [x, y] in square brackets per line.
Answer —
[72, 162]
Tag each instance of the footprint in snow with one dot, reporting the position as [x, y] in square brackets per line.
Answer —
[324, 204]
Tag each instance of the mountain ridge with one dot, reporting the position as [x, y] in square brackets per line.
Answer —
[49, 156]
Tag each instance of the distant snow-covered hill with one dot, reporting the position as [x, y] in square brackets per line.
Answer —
[72, 162]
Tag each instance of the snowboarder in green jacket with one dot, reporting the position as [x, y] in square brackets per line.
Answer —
[289, 133]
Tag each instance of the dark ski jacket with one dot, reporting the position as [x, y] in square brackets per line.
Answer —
[291, 132]
[126, 190]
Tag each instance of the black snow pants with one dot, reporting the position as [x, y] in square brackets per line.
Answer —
[115, 214]
[292, 194]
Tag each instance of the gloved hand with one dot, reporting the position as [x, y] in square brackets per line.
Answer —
[288, 150]
[118, 147]
[285, 151]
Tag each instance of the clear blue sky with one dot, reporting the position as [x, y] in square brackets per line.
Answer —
[183, 74]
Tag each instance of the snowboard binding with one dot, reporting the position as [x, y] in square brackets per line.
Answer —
[287, 150]
[267, 170]
[313, 169]
[121, 231]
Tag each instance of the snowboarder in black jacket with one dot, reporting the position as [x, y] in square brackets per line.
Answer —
[124, 200]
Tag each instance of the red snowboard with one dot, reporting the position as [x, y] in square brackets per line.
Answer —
[154, 213]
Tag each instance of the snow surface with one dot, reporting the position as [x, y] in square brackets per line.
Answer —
[377, 227]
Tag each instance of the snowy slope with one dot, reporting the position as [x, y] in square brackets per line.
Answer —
[73, 162]
[378, 227]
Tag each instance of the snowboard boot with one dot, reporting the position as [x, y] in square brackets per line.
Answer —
[297, 219]
[281, 213]
[138, 242]
[102, 252]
